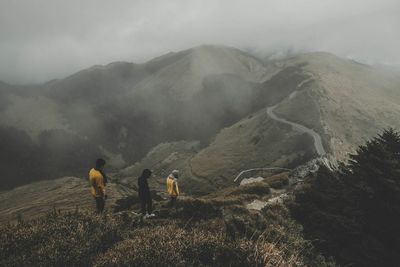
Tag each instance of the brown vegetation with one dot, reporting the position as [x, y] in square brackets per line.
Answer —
[198, 233]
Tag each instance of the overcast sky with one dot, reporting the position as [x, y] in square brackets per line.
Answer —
[46, 39]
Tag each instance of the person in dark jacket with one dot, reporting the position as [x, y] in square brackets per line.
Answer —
[144, 194]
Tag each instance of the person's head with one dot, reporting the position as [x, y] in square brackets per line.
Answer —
[100, 163]
[175, 173]
[146, 173]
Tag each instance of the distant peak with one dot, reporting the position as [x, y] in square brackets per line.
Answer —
[118, 63]
[214, 47]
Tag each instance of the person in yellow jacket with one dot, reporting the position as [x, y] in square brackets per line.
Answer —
[98, 181]
[173, 187]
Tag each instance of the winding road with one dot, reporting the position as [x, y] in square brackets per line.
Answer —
[317, 138]
[260, 204]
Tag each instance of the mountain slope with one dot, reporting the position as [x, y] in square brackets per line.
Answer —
[344, 101]
[122, 111]
[254, 142]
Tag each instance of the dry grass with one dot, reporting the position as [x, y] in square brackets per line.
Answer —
[278, 181]
[247, 191]
[37, 199]
[174, 246]
[67, 239]
[198, 233]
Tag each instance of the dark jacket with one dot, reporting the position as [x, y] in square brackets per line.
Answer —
[144, 190]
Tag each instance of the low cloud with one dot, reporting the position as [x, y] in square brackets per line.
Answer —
[46, 39]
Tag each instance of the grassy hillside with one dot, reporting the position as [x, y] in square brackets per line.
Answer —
[202, 232]
[347, 216]
[66, 194]
[162, 160]
[122, 110]
[353, 101]
[309, 91]
[209, 94]
[254, 142]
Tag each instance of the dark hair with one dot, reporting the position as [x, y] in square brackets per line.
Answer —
[146, 173]
[100, 163]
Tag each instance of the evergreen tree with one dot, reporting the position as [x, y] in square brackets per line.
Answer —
[353, 214]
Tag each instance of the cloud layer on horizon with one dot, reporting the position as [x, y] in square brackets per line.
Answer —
[46, 39]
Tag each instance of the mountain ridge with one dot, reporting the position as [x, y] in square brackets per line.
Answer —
[123, 110]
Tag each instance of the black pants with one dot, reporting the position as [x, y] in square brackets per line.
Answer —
[146, 205]
[172, 201]
[100, 202]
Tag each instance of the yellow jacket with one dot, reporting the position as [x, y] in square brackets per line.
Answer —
[96, 179]
[172, 187]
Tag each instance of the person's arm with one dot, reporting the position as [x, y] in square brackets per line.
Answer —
[174, 188]
[94, 185]
[147, 188]
[102, 188]
[99, 187]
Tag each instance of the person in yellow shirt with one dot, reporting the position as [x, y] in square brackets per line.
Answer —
[98, 181]
[172, 187]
